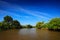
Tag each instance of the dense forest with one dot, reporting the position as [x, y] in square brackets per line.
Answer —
[8, 23]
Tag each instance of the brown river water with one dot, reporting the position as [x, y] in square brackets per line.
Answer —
[29, 34]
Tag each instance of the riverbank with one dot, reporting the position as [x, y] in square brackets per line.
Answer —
[58, 30]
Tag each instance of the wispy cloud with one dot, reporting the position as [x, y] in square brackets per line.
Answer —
[13, 14]
[30, 12]
[36, 13]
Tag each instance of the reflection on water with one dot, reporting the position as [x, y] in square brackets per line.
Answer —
[27, 31]
[29, 34]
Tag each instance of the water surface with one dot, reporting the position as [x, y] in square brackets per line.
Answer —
[29, 34]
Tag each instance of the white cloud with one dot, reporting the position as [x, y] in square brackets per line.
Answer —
[2, 12]
[30, 12]
[36, 13]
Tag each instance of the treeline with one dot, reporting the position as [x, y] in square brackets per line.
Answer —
[53, 24]
[9, 23]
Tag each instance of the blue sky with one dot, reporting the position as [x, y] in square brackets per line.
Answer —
[30, 11]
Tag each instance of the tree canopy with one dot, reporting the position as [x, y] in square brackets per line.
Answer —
[39, 24]
[9, 23]
[8, 19]
[54, 23]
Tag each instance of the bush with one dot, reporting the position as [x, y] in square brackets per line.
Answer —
[54, 24]
[39, 25]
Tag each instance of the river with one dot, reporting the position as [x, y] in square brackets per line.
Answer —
[29, 34]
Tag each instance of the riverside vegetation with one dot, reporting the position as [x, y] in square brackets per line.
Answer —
[8, 23]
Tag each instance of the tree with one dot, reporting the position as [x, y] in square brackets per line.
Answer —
[54, 23]
[8, 19]
[5, 25]
[39, 24]
[0, 26]
[29, 26]
[16, 24]
[45, 25]
[7, 22]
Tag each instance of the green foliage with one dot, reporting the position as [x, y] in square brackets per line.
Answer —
[39, 25]
[8, 19]
[16, 24]
[0, 26]
[5, 25]
[29, 26]
[45, 25]
[9, 23]
[54, 23]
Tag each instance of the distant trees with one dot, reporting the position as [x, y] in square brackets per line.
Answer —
[29, 26]
[39, 25]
